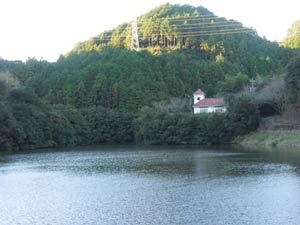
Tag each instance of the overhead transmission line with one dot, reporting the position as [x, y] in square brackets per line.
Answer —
[216, 33]
[182, 34]
[187, 27]
[180, 19]
[192, 24]
[197, 27]
[205, 32]
[184, 30]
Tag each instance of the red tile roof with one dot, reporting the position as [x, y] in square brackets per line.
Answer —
[199, 92]
[207, 102]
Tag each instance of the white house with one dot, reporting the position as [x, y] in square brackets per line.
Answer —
[207, 105]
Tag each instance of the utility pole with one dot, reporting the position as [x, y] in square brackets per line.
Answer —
[253, 85]
[135, 45]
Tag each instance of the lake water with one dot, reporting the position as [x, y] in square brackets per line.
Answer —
[150, 186]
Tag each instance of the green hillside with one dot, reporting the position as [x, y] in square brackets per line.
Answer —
[100, 91]
[102, 73]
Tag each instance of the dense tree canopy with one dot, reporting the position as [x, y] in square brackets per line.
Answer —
[102, 92]
[152, 126]
[126, 80]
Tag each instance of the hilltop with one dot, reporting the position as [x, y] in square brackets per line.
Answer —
[172, 28]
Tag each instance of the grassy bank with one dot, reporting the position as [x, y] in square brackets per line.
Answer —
[281, 139]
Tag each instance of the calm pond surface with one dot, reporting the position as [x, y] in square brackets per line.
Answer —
[149, 186]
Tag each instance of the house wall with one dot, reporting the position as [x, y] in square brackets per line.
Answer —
[209, 110]
[197, 98]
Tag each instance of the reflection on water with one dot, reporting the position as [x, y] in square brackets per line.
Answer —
[150, 185]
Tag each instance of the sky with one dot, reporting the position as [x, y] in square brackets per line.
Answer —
[44, 29]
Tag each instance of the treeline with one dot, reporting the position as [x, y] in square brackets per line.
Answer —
[27, 123]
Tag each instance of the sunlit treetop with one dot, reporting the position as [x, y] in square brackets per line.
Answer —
[293, 37]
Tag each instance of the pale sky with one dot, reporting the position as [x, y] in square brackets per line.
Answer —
[47, 28]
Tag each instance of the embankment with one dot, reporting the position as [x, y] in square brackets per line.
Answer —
[280, 139]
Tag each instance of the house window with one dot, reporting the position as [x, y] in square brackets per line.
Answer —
[204, 110]
[219, 110]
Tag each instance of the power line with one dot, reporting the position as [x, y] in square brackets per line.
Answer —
[194, 34]
[188, 34]
[185, 20]
[197, 27]
[201, 32]
[184, 30]
[217, 33]
[193, 24]
[136, 24]
[107, 36]
[180, 19]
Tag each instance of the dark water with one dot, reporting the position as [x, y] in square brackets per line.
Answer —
[150, 186]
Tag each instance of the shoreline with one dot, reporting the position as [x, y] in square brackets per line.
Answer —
[271, 139]
[266, 139]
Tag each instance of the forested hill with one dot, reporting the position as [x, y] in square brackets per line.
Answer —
[188, 48]
[172, 27]
[101, 91]
[182, 48]
[161, 27]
